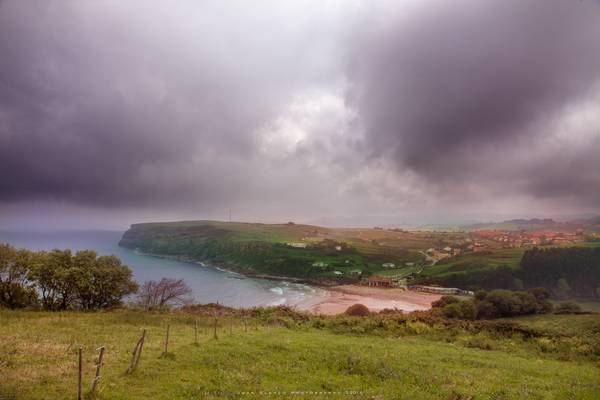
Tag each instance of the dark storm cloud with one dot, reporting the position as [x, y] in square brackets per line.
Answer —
[298, 108]
[112, 103]
[451, 91]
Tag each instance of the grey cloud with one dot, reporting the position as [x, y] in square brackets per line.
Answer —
[440, 85]
[99, 100]
[164, 106]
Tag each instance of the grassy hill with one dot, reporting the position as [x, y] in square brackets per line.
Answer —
[286, 355]
[330, 254]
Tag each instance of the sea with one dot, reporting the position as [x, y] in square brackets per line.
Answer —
[209, 283]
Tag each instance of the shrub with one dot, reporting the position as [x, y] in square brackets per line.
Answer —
[568, 307]
[460, 310]
[358, 310]
[444, 301]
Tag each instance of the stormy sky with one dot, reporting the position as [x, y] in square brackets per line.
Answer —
[339, 112]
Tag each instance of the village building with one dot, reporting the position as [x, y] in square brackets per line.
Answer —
[298, 245]
[441, 290]
[380, 281]
[388, 265]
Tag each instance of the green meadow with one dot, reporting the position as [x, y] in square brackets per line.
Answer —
[294, 356]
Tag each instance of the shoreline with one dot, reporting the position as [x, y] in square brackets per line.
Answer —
[235, 269]
[339, 298]
[334, 298]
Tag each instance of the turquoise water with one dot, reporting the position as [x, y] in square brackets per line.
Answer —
[208, 283]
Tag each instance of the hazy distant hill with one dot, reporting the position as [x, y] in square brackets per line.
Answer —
[533, 224]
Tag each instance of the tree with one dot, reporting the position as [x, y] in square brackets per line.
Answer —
[163, 294]
[84, 280]
[102, 281]
[15, 289]
[54, 280]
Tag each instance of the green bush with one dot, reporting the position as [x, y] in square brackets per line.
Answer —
[444, 301]
[568, 307]
[358, 310]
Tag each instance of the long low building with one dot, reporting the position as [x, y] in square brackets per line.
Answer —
[441, 290]
[381, 281]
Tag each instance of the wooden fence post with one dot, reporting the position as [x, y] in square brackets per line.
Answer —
[139, 350]
[98, 366]
[135, 355]
[80, 376]
[196, 332]
[230, 327]
[215, 328]
[167, 342]
[245, 324]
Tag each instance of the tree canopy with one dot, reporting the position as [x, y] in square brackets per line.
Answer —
[61, 280]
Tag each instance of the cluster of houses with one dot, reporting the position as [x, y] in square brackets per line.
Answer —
[510, 239]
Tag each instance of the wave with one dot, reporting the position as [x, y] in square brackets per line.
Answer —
[277, 290]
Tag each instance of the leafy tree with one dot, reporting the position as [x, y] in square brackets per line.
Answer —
[103, 281]
[54, 278]
[15, 288]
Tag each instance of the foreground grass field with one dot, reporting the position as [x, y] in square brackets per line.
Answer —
[38, 360]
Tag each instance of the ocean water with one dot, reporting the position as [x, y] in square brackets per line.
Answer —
[208, 283]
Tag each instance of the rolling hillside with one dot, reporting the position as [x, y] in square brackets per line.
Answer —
[280, 354]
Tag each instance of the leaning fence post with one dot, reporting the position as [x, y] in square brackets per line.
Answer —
[167, 342]
[141, 346]
[98, 366]
[135, 357]
[80, 376]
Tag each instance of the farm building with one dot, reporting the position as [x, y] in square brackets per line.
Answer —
[441, 290]
[319, 264]
[388, 265]
[380, 281]
[298, 245]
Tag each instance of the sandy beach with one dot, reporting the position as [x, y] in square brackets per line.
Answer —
[339, 298]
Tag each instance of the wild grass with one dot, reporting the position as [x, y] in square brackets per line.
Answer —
[379, 357]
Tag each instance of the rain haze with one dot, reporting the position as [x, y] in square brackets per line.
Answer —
[331, 112]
